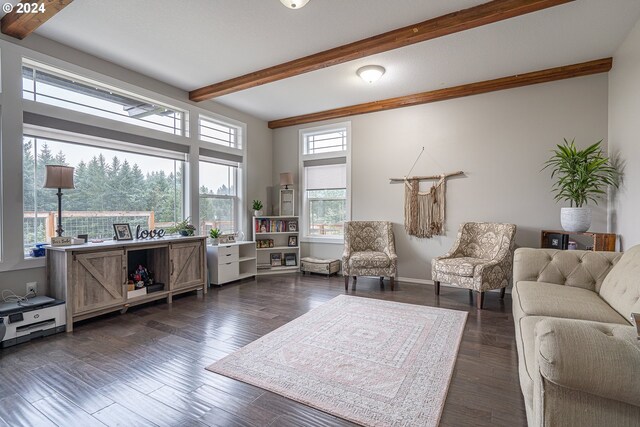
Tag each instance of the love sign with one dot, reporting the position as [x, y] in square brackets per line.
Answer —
[149, 234]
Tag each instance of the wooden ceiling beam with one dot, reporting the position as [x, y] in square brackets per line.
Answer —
[543, 76]
[25, 19]
[450, 23]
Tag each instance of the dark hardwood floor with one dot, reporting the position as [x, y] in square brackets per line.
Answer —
[146, 367]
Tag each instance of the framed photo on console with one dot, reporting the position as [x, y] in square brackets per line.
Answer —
[122, 232]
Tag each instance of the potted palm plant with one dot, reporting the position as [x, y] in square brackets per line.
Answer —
[581, 176]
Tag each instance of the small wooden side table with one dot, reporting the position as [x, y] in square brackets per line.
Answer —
[601, 241]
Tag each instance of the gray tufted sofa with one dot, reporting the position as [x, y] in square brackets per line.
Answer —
[578, 355]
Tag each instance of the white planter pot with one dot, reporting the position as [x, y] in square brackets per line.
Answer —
[575, 220]
[215, 242]
[257, 213]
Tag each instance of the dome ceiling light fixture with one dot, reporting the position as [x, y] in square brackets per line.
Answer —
[370, 73]
[294, 4]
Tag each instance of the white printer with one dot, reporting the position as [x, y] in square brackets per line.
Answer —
[37, 317]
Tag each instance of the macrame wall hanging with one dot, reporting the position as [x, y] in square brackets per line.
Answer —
[424, 212]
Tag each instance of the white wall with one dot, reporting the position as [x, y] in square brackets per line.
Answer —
[14, 272]
[624, 136]
[499, 139]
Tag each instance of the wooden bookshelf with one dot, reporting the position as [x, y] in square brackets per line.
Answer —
[598, 241]
[276, 231]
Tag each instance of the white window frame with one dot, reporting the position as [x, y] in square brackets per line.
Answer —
[238, 198]
[222, 121]
[241, 151]
[303, 156]
[85, 79]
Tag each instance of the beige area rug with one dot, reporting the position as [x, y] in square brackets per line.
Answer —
[372, 362]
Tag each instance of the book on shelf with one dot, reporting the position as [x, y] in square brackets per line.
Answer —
[264, 266]
[275, 225]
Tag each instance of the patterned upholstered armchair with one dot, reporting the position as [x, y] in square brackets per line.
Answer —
[369, 250]
[481, 259]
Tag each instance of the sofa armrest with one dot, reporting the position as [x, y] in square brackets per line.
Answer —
[599, 359]
[585, 269]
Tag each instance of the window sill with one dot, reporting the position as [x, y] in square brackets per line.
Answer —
[324, 240]
[24, 264]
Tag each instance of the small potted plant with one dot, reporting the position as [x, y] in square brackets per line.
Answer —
[183, 228]
[581, 176]
[215, 234]
[257, 208]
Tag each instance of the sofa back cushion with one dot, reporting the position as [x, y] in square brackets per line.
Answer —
[581, 269]
[621, 288]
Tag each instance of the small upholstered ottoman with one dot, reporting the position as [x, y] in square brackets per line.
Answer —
[322, 266]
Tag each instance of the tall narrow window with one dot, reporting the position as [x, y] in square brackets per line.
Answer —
[219, 202]
[325, 181]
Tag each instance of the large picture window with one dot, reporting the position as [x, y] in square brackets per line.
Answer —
[111, 186]
[219, 202]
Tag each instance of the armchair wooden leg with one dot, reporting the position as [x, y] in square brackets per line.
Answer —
[392, 282]
[480, 301]
[502, 293]
[346, 283]
[437, 287]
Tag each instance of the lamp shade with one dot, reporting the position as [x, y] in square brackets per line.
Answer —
[286, 179]
[58, 177]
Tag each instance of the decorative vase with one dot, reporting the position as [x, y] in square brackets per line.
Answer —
[215, 241]
[575, 220]
[257, 213]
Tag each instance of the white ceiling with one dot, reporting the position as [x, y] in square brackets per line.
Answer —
[194, 43]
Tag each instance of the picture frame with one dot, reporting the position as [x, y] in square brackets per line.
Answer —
[122, 232]
[292, 226]
[231, 238]
[223, 239]
[290, 259]
[293, 241]
[287, 203]
[276, 259]
[557, 241]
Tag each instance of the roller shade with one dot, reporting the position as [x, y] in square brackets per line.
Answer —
[326, 177]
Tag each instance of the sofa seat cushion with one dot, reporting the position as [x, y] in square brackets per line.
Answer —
[549, 299]
[369, 259]
[462, 266]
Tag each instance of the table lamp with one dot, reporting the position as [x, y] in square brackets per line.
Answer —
[286, 179]
[58, 177]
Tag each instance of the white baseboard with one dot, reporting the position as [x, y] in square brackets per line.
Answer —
[430, 282]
